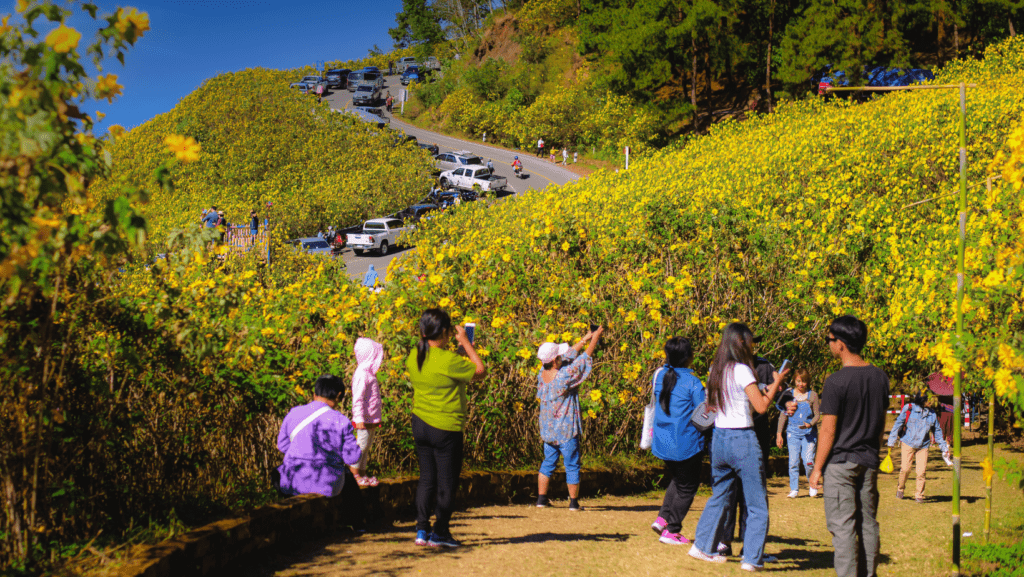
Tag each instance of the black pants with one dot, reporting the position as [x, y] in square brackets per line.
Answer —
[681, 490]
[440, 456]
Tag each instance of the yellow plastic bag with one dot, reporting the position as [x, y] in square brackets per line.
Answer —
[886, 466]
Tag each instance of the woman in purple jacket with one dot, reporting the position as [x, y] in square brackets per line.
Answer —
[318, 445]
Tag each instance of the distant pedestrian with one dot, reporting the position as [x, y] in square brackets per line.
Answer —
[320, 233]
[540, 148]
[575, 157]
[854, 401]
[211, 217]
[320, 92]
[921, 430]
[254, 226]
[490, 165]
[391, 67]
[551, 157]
[565, 156]
[389, 102]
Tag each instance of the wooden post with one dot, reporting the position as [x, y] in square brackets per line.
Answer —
[991, 431]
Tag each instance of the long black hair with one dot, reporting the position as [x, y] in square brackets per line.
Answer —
[678, 354]
[433, 324]
[737, 346]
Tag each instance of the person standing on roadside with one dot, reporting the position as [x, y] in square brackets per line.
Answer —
[319, 91]
[558, 387]
[254, 226]
[439, 378]
[540, 148]
[735, 453]
[565, 156]
[391, 67]
[676, 441]
[853, 405]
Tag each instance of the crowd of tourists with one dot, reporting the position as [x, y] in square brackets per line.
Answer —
[835, 436]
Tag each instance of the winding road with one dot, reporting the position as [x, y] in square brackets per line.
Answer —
[538, 173]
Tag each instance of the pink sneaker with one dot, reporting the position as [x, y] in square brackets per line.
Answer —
[659, 525]
[673, 538]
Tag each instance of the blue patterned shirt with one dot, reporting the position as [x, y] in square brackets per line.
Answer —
[560, 403]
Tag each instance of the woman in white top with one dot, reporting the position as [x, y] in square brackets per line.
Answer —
[735, 453]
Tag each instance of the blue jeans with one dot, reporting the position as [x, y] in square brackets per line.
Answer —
[801, 447]
[570, 452]
[735, 459]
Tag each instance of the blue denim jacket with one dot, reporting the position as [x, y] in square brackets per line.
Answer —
[921, 421]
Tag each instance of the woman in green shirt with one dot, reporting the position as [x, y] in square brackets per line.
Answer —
[439, 379]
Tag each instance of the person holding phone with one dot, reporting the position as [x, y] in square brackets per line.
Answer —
[799, 420]
[439, 378]
[736, 462]
[558, 385]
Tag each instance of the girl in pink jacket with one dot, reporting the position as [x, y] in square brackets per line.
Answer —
[366, 403]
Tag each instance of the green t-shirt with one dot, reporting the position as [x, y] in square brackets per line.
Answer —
[439, 390]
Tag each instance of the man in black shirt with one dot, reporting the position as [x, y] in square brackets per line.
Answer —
[853, 404]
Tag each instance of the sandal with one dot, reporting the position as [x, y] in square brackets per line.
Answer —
[366, 481]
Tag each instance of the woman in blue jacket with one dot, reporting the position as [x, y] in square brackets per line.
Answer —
[676, 441]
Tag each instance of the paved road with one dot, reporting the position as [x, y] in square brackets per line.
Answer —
[538, 173]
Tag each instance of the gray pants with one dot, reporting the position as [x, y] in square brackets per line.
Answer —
[851, 504]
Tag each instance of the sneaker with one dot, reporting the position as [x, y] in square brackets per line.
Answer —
[439, 541]
[673, 538]
[899, 493]
[574, 505]
[542, 501]
[947, 460]
[724, 550]
[812, 492]
[749, 567]
[698, 554]
[422, 537]
[793, 494]
[659, 525]
[919, 501]
[769, 559]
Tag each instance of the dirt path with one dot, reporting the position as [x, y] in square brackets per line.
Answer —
[611, 537]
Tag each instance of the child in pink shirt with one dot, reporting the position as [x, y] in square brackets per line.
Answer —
[366, 403]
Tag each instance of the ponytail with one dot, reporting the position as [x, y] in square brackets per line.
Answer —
[678, 354]
[433, 324]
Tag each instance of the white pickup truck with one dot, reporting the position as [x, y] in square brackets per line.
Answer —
[467, 177]
[378, 234]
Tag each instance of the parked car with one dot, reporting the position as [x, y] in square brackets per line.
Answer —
[877, 76]
[404, 63]
[402, 138]
[457, 159]
[312, 245]
[302, 87]
[468, 177]
[374, 110]
[367, 117]
[378, 234]
[355, 78]
[369, 76]
[432, 148]
[371, 69]
[366, 95]
[411, 74]
[416, 212]
[432, 63]
[338, 78]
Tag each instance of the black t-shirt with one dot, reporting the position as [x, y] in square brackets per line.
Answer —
[859, 398]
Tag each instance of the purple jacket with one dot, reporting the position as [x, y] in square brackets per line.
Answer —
[314, 461]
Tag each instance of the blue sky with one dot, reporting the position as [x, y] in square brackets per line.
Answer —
[192, 40]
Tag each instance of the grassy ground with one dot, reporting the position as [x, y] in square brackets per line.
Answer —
[612, 536]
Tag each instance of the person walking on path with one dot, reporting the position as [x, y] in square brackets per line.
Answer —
[799, 422]
[565, 156]
[439, 378]
[389, 102]
[560, 423]
[391, 67]
[366, 405]
[320, 92]
[540, 148]
[676, 441]
[735, 454]
[921, 424]
[853, 405]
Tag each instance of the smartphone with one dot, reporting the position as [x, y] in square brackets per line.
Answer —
[470, 331]
[785, 364]
[594, 327]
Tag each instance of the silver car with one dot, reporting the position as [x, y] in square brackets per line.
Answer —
[313, 245]
[457, 159]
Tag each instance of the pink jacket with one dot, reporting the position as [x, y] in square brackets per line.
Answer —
[365, 389]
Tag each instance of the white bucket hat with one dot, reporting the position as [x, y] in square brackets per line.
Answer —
[548, 352]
